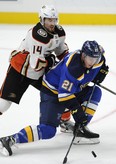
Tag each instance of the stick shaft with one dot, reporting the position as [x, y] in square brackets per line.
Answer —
[65, 158]
[90, 96]
[70, 146]
[107, 89]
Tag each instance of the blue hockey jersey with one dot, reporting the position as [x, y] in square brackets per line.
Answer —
[69, 76]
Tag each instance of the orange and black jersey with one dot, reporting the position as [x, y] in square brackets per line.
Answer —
[29, 58]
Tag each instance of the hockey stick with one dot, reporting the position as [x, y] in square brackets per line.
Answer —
[65, 158]
[90, 96]
[107, 89]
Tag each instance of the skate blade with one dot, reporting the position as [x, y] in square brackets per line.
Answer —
[65, 131]
[4, 151]
[86, 141]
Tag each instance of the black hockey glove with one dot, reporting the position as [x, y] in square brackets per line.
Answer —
[101, 74]
[78, 126]
[51, 62]
[80, 118]
[76, 129]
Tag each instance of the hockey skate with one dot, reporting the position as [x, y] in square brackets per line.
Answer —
[5, 145]
[66, 126]
[84, 136]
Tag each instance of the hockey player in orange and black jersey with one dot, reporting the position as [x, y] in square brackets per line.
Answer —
[34, 56]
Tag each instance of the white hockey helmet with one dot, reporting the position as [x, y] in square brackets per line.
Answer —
[48, 11]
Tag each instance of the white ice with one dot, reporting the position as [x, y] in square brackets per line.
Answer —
[27, 112]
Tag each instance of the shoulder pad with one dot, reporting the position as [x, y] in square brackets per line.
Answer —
[40, 34]
[75, 66]
[59, 27]
[59, 30]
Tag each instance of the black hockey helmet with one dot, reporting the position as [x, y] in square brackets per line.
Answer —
[92, 49]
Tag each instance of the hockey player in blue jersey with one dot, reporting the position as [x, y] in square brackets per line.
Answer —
[65, 87]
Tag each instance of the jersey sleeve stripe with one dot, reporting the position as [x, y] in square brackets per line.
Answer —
[48, 86]
[66, 98]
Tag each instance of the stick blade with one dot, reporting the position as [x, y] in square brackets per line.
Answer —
[65, 160]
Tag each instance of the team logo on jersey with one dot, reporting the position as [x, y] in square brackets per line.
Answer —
[42, 32]
[12, 95]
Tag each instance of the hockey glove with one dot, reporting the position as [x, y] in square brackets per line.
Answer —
[78, 126]
[51, 62]
[76, 129]
[101, 74]
[80, 118]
